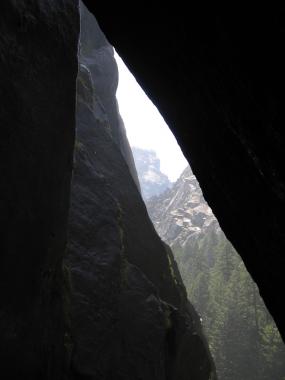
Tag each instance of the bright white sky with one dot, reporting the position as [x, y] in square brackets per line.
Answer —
[145, 126]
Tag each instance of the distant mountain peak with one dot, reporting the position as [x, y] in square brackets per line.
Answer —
[153, 182]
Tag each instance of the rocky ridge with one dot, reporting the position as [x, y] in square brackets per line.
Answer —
[153, 181]
[181, 213]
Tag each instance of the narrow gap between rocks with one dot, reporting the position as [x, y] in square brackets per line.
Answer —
[242, 335]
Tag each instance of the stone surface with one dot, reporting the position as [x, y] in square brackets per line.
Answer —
[98, 55]
[181, 213]
[38, 68]
[130, 318]
[152, 180]
[217, 76]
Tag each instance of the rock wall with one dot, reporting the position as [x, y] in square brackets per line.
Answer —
[38, 69]
[130, 318]
[181, 213]
[98, 55]
[152, 180]
[118, 299]
[217, 76]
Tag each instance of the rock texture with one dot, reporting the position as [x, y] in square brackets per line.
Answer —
[152, 180]
[130, 318]
[98, 55]
[38, 68]
[217, 76]
[181, 213]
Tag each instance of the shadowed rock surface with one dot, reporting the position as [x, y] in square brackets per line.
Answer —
[38, 69]
[217, 77]
[130, 318]
[98, 55]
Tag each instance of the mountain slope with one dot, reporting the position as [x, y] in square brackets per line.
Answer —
[244, 340]
[181, 212]
[153, 181]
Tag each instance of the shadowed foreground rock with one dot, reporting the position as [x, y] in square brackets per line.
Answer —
[38, 68]
[130, 318]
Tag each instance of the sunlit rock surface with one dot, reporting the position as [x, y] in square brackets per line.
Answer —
[153, 181]
[181, 212]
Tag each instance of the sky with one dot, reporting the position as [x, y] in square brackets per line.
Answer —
[145, 126]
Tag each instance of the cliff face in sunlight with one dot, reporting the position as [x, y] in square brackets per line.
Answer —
[181, 213]
[129, 314]
[153, 181]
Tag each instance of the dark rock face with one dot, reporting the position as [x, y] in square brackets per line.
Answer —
[217, 77]
[152, 180]
[130, 318]
[98, 55]
[38, 68]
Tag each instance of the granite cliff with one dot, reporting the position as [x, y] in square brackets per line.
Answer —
[153, 181]
[129, 313]
[181, 213]
[217, 77]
